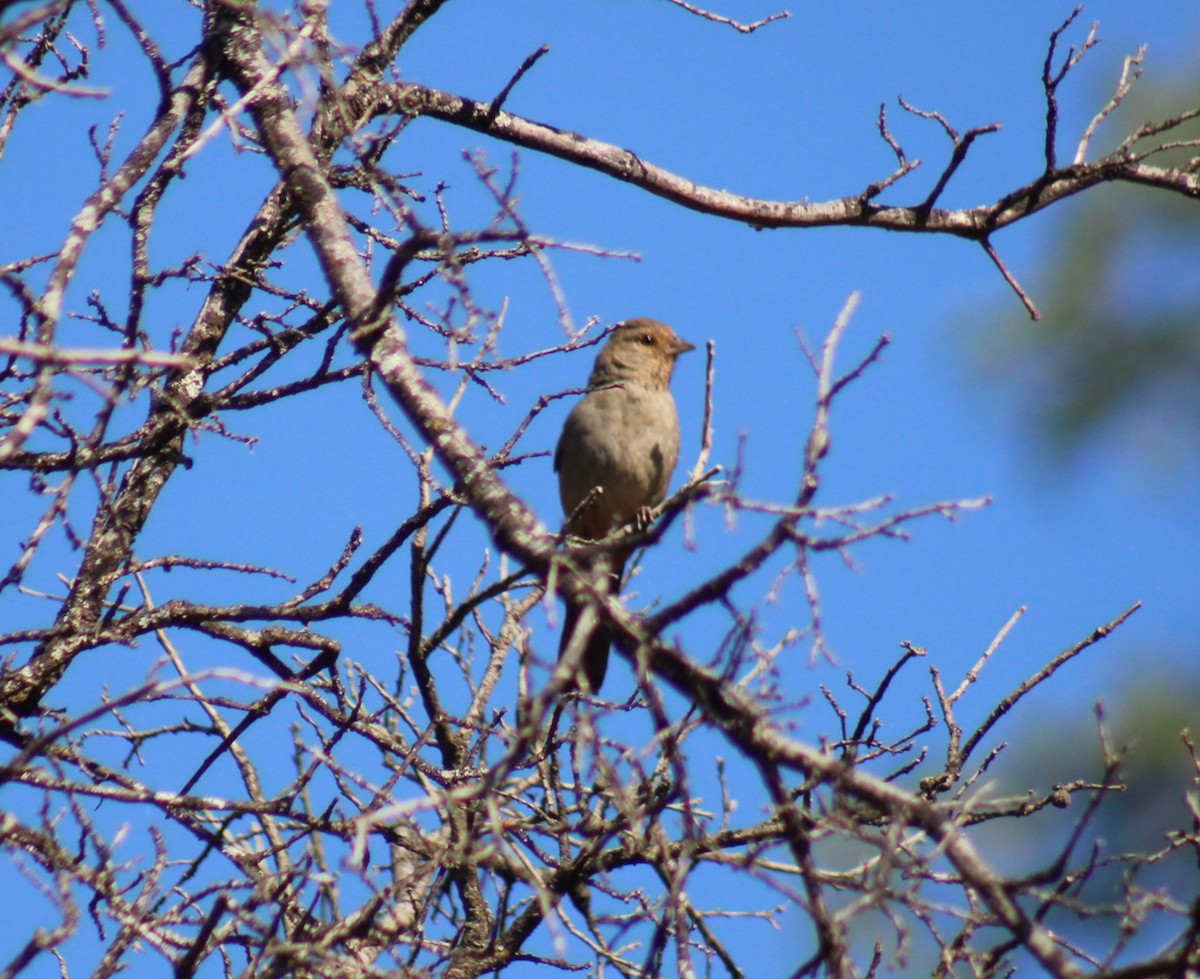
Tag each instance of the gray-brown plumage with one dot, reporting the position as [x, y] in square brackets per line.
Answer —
[623, 437]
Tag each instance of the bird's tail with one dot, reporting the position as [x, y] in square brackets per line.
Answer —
[593, 663]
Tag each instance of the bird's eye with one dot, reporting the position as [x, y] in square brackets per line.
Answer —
[648, 339]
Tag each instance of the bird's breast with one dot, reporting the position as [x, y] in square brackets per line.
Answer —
[625, 440]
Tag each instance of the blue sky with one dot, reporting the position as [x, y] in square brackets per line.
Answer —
[788, 112]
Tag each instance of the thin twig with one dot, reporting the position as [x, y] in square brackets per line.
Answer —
[719, 19]
[1026, 301]
[529, 62]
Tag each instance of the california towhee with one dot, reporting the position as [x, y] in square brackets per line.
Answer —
[617, 451]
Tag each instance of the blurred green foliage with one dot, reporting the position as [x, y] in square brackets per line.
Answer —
[1116, 355]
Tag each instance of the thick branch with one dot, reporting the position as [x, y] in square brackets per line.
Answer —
[376, 335]
[625, 165]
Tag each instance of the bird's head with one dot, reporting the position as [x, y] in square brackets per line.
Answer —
[642, 350]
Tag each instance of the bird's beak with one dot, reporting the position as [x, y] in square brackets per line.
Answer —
[679, 346]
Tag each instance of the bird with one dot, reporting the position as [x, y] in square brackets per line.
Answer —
[614, 459]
